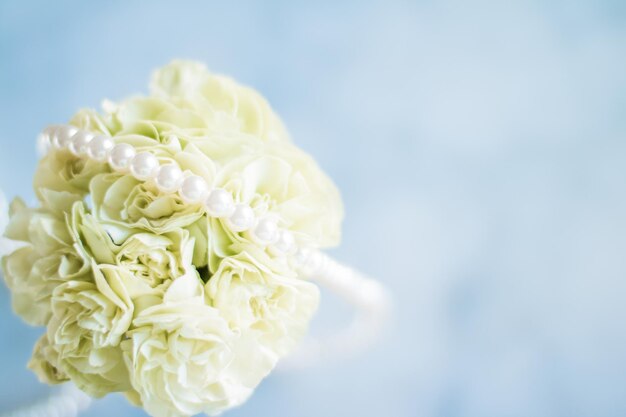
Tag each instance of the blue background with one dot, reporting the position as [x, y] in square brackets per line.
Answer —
[480, 148]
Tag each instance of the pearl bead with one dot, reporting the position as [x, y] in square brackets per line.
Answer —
[220, 203]
[79, 142]
[144, 166]
[49, 131]
[241, 219]
[284, 244]
[46, 139]
[99, 148]
[121, 155]
[169, 178]
[266, 230]
[43, 144]
[194, 189]
[63, 136]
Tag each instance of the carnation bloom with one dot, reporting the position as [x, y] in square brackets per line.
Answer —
[47, 258]
[221, 103]
[184, 358]
[84, 333]
[250, 296]
[157, 259]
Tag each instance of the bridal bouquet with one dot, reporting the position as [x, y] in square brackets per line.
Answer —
[162, 257]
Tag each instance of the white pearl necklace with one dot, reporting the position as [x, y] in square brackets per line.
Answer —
[169, 178]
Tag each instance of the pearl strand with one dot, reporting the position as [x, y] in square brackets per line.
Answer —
[169, 178]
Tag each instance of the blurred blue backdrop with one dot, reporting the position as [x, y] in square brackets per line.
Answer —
[480, 148]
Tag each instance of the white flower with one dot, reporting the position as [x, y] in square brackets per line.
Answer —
[250, 296]
[157, 258]
[46, 259]
[283, 180]
[43, 361]
[184, 359]
[220, 102]
[88, 322]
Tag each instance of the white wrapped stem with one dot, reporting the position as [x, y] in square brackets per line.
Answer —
[373, 310]
[68, 401]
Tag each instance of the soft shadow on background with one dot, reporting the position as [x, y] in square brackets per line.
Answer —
[481, 152]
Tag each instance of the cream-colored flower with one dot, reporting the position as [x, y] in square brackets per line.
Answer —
[221, 103]
[48, 258]
[91, 239]
[283, 180]
[157, 259]
[43, 360]
[184, 359]
[89, 119]
[62, 173]
[87, 324]
[130, 205]
[251, 296]
[186, 99]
